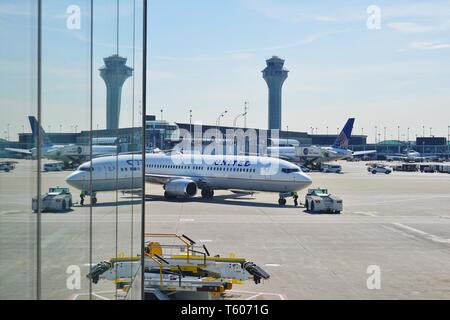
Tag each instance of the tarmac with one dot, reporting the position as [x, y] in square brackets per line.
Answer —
[397, 225]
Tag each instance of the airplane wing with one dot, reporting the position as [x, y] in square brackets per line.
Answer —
[164, 178]
[20, 151]
[361, 153]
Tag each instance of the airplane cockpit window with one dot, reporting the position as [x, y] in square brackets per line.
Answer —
[290, 170]
[85, 168]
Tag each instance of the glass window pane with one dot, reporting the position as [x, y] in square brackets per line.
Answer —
[18, 165]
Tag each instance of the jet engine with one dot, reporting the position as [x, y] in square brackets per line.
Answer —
[180, 188]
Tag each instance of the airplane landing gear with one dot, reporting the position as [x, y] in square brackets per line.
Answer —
[94, 198]
[207, 193]
[283, 196]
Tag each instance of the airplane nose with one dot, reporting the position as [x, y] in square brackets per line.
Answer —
[307, 179]
[303, 180]
[75, 180]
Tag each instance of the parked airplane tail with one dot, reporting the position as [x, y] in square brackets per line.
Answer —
[35, 128]
[344, 137]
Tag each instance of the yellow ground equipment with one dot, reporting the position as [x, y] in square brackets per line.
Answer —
[179, 270]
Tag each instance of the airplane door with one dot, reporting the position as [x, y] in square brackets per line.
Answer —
[104, 174]
[266, 172]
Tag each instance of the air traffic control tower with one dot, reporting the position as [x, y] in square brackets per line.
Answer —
[275, 74]
[115, 72]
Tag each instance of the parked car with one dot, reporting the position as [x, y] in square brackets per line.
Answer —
[380, 169]
[332, 168]
[54, 166]
[7, 166]
[427, 169]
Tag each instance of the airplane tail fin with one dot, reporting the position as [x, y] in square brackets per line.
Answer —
[344, 137]
[35, 129]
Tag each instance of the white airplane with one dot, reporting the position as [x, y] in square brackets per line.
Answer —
[314, 156]
[411, 155]
[69, 154]
[183, 174]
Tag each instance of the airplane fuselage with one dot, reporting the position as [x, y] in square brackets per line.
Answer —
[213, 172]
[313, 153]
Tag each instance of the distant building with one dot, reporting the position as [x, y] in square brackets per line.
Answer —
[275, 74]
[431, 141]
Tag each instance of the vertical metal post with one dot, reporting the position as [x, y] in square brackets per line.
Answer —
[39, 154]
[91, 115]
[143, 132]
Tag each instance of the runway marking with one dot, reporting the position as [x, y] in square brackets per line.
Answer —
[364, 213]
[205, 241]
[429, 236]
[76, 296]
[187, 220]
[272, 265]
[253, 297]
[100, 297]
[257, 294]
[10, 211]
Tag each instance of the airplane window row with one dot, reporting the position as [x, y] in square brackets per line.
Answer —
[162, 166]
[131, 169]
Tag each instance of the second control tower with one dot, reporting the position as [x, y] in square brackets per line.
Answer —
[275, 74]
[115, 72]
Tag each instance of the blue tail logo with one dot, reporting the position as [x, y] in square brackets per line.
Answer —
[35, 128]
[344, 137]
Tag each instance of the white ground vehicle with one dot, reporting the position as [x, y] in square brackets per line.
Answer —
[56, 199]
[7, 166]
[331, 168]
[320, 200]
[54, 166]
[379, 169]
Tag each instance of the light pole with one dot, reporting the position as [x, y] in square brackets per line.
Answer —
[423, 131]
[219, 118]
[384, 134]
[76, 127]
[327, 130]
[8, 125]
[430, 132]
[246, 103]
[376, 134]
[60, 128]
[190, 123]
[448, 142]
[162, 113]
[237, 117]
